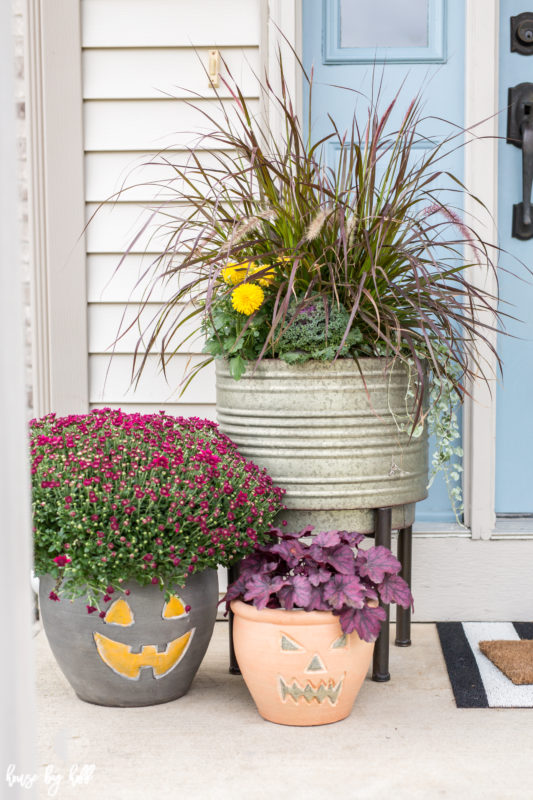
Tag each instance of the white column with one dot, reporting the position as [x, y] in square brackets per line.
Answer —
[56, 205]
[17, 684]
[481, 178]
[282, 34]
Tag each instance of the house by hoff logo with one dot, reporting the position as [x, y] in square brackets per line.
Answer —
[76, 775]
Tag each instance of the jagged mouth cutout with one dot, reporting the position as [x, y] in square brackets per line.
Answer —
[305, 690]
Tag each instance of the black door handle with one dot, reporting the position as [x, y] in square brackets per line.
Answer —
[527, 172]
[520, 133]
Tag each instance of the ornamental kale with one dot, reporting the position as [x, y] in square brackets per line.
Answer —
[330, 573]
[151, 498]
[310, 333]
[314, 333]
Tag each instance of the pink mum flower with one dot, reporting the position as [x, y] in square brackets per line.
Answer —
[62, 560]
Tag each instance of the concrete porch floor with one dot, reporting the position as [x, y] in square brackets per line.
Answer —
[404, 739]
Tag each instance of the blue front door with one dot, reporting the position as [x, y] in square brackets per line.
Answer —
[417, 45]
[514, 399]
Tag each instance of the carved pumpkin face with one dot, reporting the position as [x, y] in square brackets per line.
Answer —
[143, 651]
[128, 664]
[298, 665]
[311, 675]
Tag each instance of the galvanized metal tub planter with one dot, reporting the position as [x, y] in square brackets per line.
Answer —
[299, 667]
[144, 651]
[333, 440]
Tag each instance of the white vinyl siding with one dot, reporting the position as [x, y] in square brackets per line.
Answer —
[141, 60]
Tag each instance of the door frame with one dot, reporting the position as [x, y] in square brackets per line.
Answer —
[481, 176]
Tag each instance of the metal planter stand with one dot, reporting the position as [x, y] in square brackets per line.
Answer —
[346, 462]
[382, 536]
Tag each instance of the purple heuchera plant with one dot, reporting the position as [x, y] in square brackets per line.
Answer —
[330, 573]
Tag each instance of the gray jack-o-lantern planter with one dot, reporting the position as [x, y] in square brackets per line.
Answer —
[333, 440]
[145, 651]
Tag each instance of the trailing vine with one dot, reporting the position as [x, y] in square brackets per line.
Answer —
[442, 422]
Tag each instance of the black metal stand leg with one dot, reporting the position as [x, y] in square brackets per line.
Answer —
[380, 670]
[403, 615]
[233, 574]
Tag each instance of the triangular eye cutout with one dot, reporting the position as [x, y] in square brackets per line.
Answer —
[289, 644]
[174, 608]
[119, 613]
[342, 641]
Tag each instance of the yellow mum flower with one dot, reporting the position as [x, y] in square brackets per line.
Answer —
[232, 275]
[267, 278]
[247, 298]
[235, 273]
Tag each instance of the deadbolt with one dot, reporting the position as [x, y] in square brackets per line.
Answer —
[522, 33]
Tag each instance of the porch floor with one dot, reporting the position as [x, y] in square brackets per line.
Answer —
[404, 739]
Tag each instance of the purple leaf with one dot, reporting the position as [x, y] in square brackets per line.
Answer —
[290, 551]
[394, 589]
[344, 590]
[327, 539]
[379, 562]
[318, 553]
[342, 559]
[360, 559]
[235, 590]
[297, 534]
[318, 575]
[295, 592]
[260, 587]
[257, 564]
[322, 545]
[352, 539]
[370, 592]
[366, 621]
[316, 600]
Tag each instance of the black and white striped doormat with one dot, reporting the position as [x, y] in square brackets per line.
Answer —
[475, 681]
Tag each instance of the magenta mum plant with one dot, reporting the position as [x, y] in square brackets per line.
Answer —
[331, 573]
[144, 497]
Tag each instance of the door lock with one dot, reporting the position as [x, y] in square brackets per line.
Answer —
[520, 133]
[522, 34]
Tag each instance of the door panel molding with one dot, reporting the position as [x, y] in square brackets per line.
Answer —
[434, 53]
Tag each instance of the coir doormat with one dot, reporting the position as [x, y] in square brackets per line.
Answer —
[475, 680]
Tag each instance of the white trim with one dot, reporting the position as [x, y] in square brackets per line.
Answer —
[57, 209]
[458, 578]
[284, 19]
[481, 177]
[17, 738]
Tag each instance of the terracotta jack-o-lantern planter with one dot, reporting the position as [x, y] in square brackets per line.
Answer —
[143, 651]
[299, 666]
